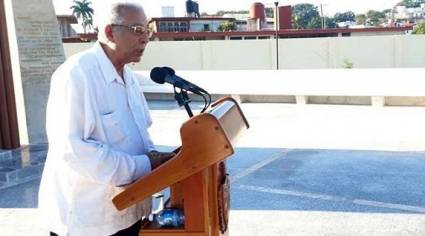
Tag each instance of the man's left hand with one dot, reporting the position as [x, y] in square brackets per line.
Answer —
[158, 158]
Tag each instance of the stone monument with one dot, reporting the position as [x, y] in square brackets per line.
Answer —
[36, 51]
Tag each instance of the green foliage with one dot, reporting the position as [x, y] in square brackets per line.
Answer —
[315, 23]
[221, 13]
[294, 20]
[348, 64]
[269, 12]
[330, 23]
[361, 19]
[305, 16]
[375, 17]
[82, 11]
[419, 29]
[227, 26]
[386, 11]
[410, 3]
[345, 16]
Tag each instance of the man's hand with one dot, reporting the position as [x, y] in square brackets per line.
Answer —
[157, 158]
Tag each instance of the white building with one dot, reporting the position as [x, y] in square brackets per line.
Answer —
[404, 13]
[167, 11]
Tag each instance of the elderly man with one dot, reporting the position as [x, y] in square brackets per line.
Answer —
[97, 121]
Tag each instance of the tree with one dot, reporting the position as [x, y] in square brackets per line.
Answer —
[419, 29]
[410, 3]
[361, 19]
[387, 11]
[227, 26]
[269, 12]
[347, 64]
[345, 16]
[305, 16]
[315, 23]
[83, 11]
[221, 13]
[294, 20]
[330, 23]
[375, 17]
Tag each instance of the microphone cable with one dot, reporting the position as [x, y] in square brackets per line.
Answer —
[206, 103]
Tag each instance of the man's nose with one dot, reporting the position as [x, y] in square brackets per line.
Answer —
[144, 40]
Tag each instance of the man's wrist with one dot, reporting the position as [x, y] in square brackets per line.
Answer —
[154, 159]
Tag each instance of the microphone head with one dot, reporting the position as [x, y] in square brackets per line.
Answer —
[169, 70]
[158, 75]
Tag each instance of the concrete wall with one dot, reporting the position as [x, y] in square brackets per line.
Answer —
[402, 51]
[387, 33]
[377, 87]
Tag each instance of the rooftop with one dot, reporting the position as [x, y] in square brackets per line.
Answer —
[312, 176]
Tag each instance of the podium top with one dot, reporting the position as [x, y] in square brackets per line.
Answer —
[207, 138]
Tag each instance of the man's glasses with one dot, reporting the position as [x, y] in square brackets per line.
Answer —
[137, 29]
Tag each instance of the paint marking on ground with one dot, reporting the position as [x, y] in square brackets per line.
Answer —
[361, 202]
[257, 166]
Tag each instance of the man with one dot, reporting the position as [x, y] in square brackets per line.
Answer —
[97, 120]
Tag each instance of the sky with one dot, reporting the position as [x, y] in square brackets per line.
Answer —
[153, 7]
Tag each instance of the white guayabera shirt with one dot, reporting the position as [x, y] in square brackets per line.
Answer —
[97, 130]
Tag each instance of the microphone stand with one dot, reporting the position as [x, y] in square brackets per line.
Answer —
[183, 99]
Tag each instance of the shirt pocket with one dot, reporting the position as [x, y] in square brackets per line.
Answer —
[111, 125]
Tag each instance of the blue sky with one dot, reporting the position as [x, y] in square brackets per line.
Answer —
[153, 7]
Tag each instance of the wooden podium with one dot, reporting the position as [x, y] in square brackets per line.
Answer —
[199, 184]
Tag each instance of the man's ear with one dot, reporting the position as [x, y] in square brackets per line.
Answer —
[109, 34]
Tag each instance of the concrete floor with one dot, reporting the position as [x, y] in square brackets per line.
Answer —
[300, 170]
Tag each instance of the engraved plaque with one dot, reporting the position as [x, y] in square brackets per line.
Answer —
[40, 51]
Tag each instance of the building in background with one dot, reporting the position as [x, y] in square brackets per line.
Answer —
[257, 23]
[188, 24]
[285, 17]
[257, 17]
[65, 22]
[270, 34]
[409, 14]
[241, 20]
[167, 11]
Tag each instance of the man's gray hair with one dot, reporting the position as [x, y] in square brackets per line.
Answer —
[113, 14]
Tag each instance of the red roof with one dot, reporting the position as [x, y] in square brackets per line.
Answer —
[190, 18]
[284, 32]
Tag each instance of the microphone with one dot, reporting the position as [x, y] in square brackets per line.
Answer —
[164, 74]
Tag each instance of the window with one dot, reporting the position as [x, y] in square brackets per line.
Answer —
[206, 27]
[162, 27]
[170, 27]
[183, 27]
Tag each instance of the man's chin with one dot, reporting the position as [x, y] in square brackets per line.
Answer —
[136, 59]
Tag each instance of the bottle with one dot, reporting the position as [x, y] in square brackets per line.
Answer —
[170, 217]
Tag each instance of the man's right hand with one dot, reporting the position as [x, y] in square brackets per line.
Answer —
[157, 158]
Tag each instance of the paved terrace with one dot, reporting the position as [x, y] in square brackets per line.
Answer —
[300, 170]
[309, 169]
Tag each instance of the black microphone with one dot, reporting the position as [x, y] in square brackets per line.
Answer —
[166, 74]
